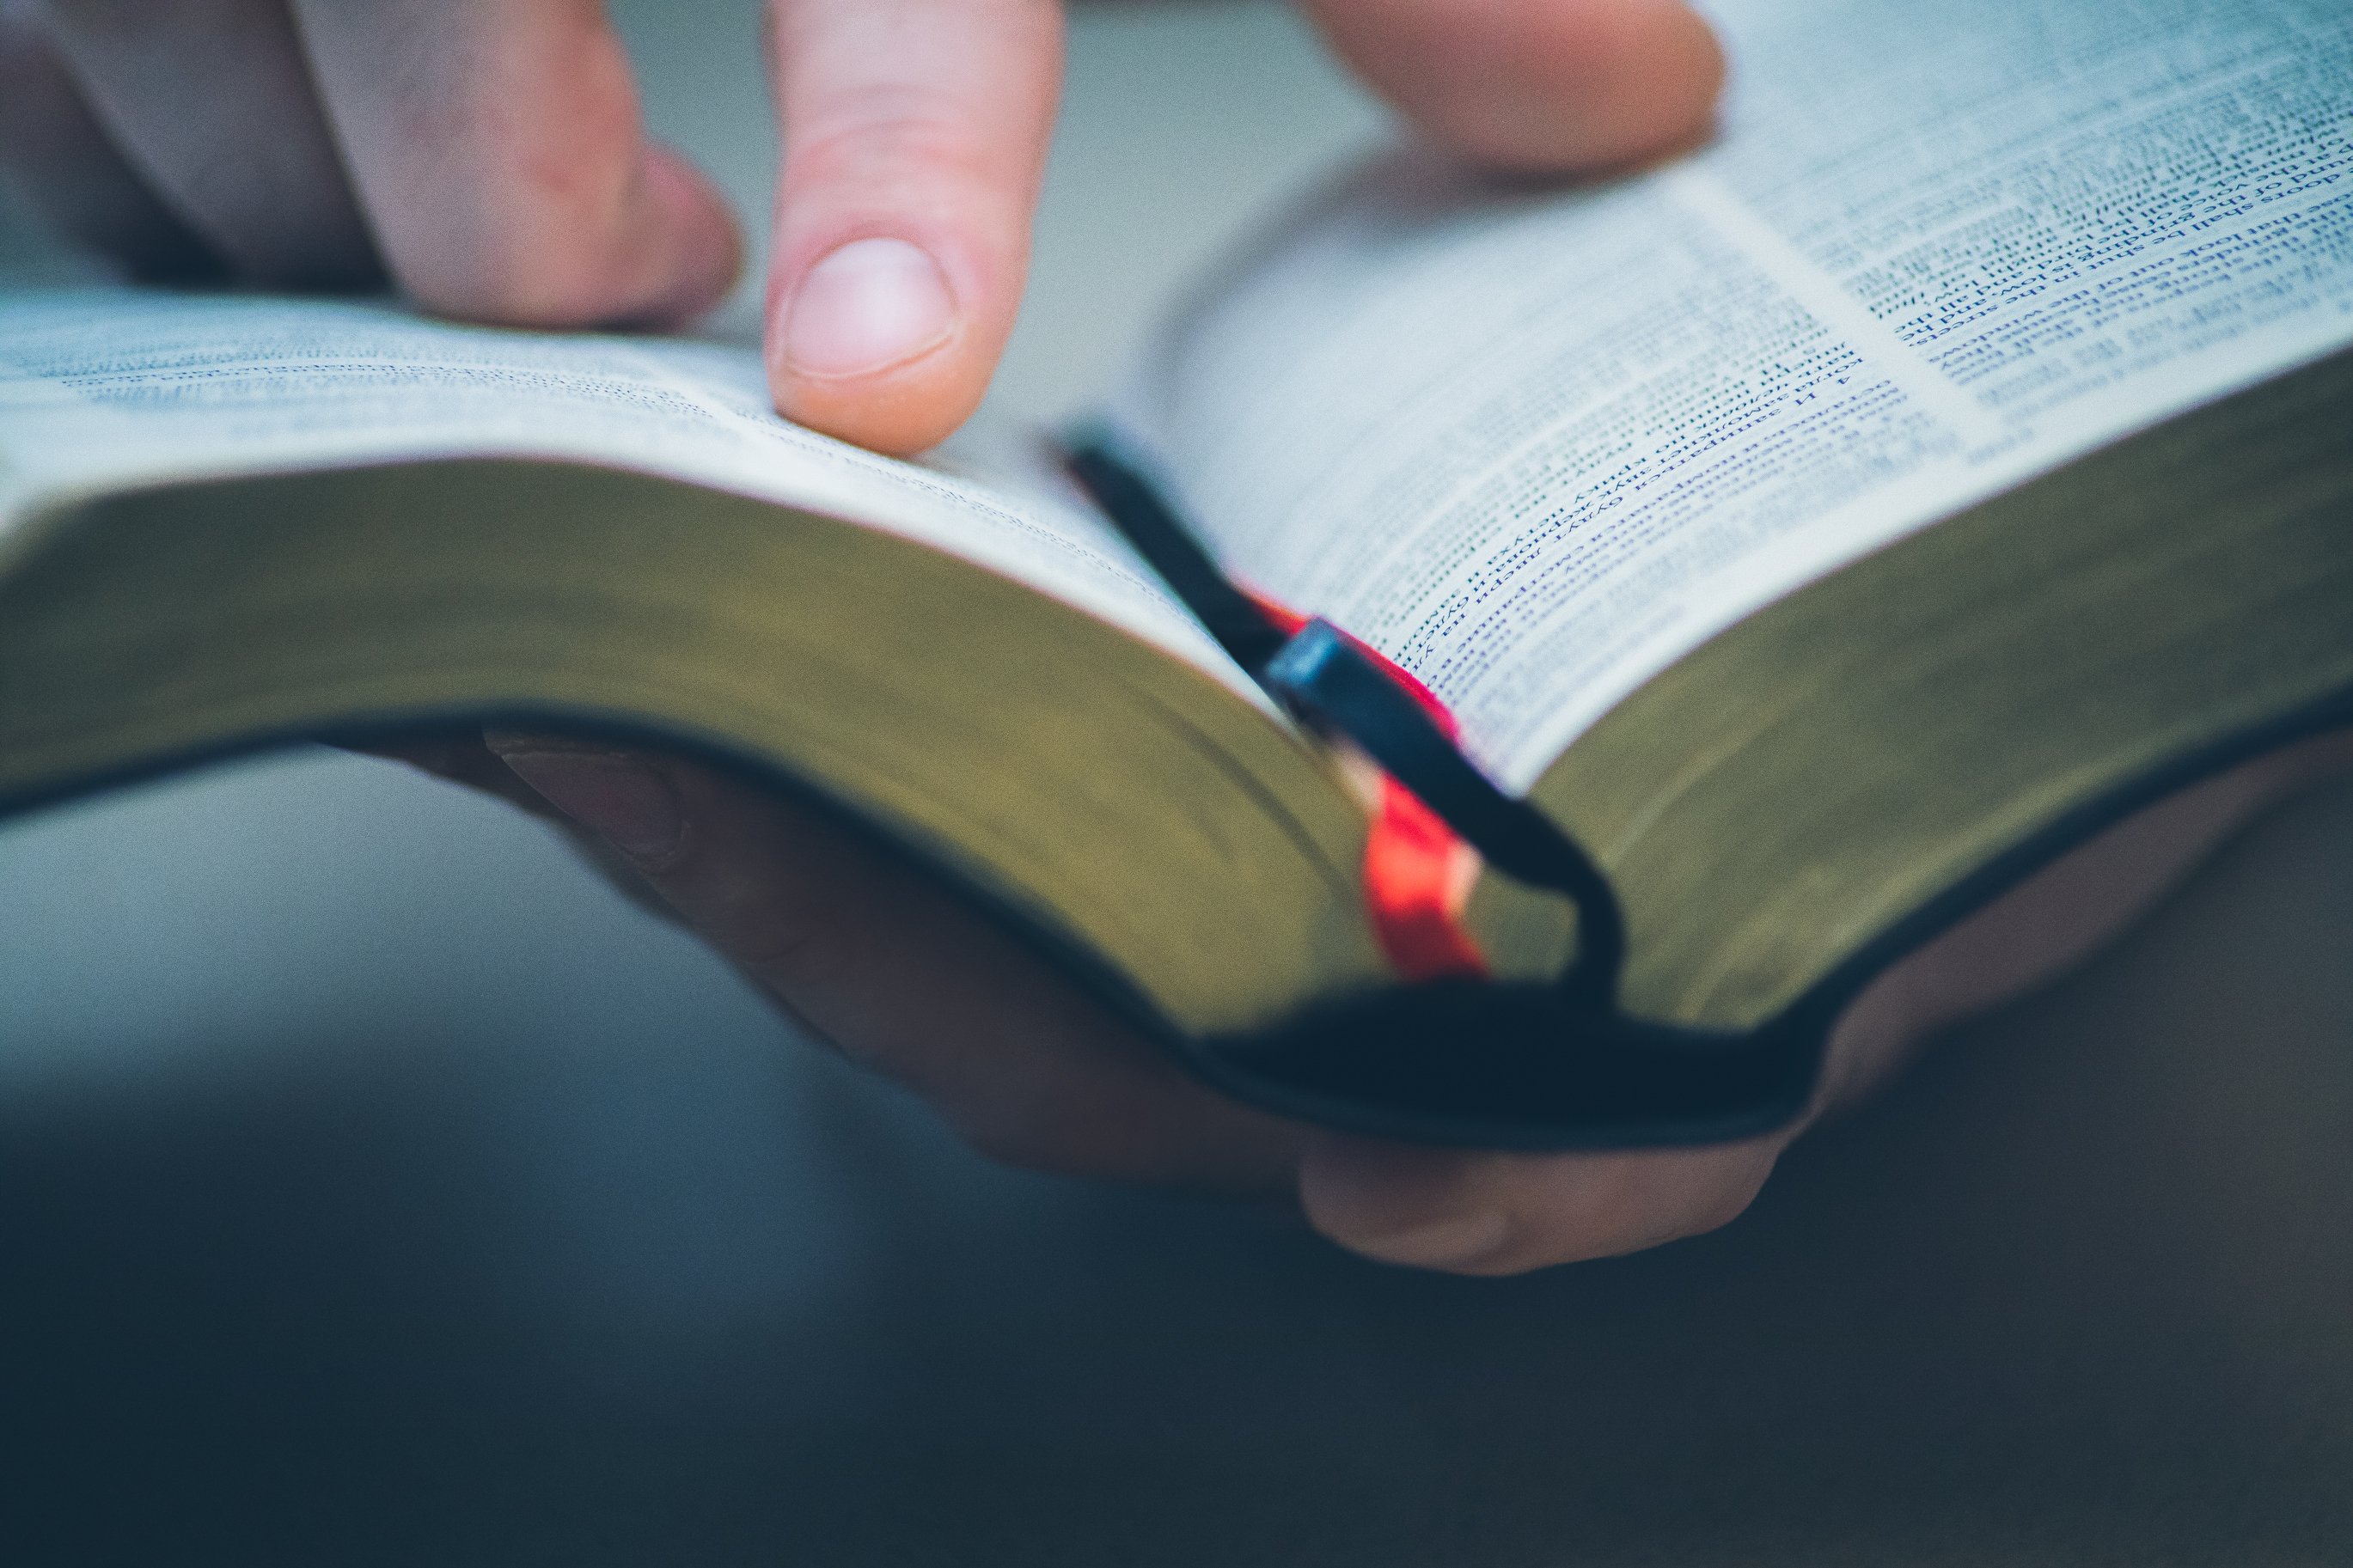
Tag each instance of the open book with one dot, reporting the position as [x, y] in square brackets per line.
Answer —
[1825, 531]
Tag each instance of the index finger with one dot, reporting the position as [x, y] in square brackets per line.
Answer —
[915, 136]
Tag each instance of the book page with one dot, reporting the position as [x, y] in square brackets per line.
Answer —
[102, 388]
[1535, 447]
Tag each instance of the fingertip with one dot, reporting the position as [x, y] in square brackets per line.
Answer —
[873, 343]
[706, 247]
[1394, 1203]
[500, 156]
[649, 248]
[1485, 1214]
[1539, 86]
[899, 414]
[659, 257]
[915, 138]
[626, 797]
[1654, 73]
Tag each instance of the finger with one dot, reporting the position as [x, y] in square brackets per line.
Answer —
[876, 957]
[1537, 85]
[1496, 1214]
[1473, 1213]
[915, 134]
[212, 104]
[499, 149]
[57, 154]
[456, 755]
[2058, 917]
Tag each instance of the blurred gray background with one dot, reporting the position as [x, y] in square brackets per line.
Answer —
[376, 1186]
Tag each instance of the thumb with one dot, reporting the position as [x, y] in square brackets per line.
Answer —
[1473, 1212]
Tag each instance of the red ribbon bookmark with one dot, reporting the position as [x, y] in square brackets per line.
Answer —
[1417, 870]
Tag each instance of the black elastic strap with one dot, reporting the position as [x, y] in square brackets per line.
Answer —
[1326, 678]
[1329, 681]
[1247, 633]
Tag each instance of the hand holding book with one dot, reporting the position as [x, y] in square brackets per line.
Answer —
[1887, 546]
[875, 956]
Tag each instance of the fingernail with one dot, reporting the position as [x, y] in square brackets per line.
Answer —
[866, 307]
[1456, 1242]
[628, 804]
